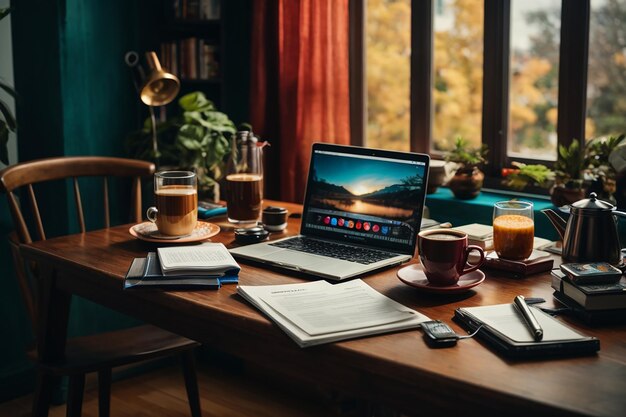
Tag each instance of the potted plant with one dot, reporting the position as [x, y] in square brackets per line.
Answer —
[569, 184]
[196, 139]
[524, 175]
[7, 121]
[468, 179]
[598, 152]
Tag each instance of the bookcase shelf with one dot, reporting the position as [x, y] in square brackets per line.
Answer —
[190, 36]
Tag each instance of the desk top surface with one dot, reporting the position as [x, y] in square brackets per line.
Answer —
[399, 367]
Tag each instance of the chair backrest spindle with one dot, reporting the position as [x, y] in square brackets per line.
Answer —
[35, 208]
[79, 206]
[105, 198]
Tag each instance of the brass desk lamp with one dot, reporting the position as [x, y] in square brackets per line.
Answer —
[158, 88]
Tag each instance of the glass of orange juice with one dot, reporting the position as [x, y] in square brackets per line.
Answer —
[513, 229]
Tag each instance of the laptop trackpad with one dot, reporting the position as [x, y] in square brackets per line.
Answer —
[296, 258]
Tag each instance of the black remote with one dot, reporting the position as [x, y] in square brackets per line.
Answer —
[439, 334]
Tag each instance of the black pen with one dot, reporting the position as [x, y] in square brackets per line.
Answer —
[529, 318]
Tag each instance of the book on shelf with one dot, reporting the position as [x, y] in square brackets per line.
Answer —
[191, 58]
[506, 330]
[318, 312]
[538, 261]
[196, 9]
[146, 273]
[208, 259]
[591, 296]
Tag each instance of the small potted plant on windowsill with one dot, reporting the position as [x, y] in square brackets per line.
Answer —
[468, 179]
[597, 159]
[524, 175]
[569, 184]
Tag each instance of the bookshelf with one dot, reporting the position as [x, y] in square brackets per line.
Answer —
[191, 36]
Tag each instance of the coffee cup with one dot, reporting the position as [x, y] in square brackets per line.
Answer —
[443, 254]
[176, 202]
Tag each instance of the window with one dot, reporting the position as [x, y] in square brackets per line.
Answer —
[534, 72]
[606, 79]
[458, 73]
[388, 73]
[521, 76]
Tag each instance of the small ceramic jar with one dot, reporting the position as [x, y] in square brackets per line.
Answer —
[275, 218]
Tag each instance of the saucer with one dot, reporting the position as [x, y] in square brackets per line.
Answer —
[413, 275]
[148, 231]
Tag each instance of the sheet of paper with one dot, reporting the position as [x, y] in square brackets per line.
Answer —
[325, 309]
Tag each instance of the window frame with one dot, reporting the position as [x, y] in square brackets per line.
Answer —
[572, 85]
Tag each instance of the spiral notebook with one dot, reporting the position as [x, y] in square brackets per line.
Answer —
[504, 328]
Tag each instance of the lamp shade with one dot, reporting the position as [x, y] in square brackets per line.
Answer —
[160, 87]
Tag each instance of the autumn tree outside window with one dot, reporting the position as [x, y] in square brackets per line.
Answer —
[509, 73]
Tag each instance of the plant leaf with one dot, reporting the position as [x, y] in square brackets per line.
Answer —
[4, 140]
[4, 12]
[8, 116]
[10, 91]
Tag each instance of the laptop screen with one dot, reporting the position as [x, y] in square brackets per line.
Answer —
[367, 196]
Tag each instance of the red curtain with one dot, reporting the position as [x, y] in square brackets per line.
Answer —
[300, 85]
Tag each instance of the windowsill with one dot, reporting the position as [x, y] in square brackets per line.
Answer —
[444, 207]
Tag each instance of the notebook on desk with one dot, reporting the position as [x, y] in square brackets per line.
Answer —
[505, 329]
[362, 212]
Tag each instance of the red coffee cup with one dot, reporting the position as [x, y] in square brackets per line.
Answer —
[443, 254]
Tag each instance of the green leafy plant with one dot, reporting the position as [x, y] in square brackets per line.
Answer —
[527, 174]
[597, 154]
[196, 139]
[466, 156]
[570, 165]
[7, 122]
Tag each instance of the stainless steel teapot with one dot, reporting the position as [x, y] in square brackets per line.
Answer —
[590, 234]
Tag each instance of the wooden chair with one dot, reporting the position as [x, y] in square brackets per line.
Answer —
[101, 352]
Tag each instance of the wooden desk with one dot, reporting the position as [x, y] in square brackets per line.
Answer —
[395, 369]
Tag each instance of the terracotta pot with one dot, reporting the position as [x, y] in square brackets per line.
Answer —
[466, 183]
[563, 196]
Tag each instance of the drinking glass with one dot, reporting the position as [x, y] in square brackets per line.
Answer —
[513, 229]
[176, 202]
[244, 179]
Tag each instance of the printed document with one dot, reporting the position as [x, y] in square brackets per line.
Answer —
[319, 312]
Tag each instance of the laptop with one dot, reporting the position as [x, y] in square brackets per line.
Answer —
[362, 212]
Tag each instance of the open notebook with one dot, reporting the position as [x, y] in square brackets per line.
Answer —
[505, 329]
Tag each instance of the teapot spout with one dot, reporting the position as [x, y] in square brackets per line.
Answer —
[556, 220]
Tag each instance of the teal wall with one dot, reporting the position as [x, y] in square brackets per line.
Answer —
[76, 97]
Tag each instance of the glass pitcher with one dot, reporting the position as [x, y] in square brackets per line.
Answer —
[244, 178]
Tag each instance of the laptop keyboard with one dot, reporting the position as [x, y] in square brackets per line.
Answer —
[334, 250]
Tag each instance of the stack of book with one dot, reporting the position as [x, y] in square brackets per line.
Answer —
[205, 266]
[592, 303]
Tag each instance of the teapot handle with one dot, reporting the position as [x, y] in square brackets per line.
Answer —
[619, 213]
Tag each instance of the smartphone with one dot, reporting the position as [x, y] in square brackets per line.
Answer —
[592, 273]
[207, 209]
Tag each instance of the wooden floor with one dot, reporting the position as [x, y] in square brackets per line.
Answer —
[223, 393]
